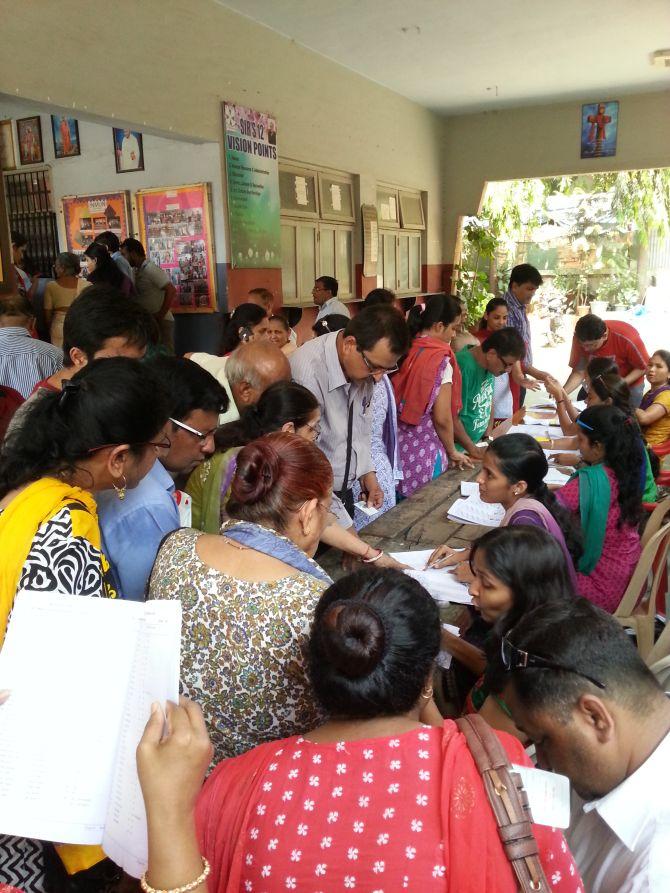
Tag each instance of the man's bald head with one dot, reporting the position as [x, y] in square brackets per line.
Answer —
[252, 368]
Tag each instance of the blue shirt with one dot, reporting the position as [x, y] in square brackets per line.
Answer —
[133, 528]
[24, 361]
[517, 318]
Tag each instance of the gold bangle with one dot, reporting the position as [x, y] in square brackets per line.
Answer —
[144, 884]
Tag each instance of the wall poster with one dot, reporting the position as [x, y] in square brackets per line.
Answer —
[252, 175]
[176, 229]
[86, 216]
[600, 122]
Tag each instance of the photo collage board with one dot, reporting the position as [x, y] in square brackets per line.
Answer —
[175, 227]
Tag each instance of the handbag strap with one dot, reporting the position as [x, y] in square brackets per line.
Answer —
[509, 802]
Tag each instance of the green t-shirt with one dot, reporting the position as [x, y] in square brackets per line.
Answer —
[476, 395]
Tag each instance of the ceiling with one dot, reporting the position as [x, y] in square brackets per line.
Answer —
[457, 56]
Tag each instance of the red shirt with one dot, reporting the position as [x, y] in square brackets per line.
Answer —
[623, 345]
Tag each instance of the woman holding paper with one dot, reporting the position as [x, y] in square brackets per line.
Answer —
[428, 394]
[372, 795]
[101, 432]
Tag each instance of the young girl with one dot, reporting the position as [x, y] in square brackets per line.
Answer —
[654, 412]
[507, 387]
[248, 322]
[428, 394]
[606, 496]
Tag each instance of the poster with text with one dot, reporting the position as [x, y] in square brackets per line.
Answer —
[252, 174]
[86, 216]
[176, 230]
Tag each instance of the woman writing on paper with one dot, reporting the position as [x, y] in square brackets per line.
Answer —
[101, 432]
[373, 798]
[428, 394]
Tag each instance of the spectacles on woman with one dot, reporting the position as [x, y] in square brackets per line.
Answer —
[514, 658]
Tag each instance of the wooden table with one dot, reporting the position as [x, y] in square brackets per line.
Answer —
[419, 522]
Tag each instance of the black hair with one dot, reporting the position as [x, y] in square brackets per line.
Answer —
[106, 271]
[586, 639]
[601, 366]
[69, 262]
[332, 322]
[16, 305]
[611, 386]
[281, 402]
[623, 448]
[277, 317]
[244, 317]
[590, 328]
[374, 640]
[134, 246]
[521, 458]
[330, 284]
[437, 308]
[530, 562]
[110, 240]
[110, 401]
[490, 307]
[665, 356]
[506, 343]
[374, 323]
[188, 386]
[523, 273]
[18, 239]
[99, 313]
[379, 296]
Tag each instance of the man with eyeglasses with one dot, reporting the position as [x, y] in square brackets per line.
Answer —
[134, 527]
[577, 687]
[479, 366]
[340, 370]
[325, 298]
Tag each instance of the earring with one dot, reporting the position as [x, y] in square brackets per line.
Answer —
[121, 491]
[427, 693]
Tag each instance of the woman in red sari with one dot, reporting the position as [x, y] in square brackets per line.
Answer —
[375, 799]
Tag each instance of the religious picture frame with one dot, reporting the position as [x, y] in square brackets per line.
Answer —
[600, 124]
[128, 150]
[65, 133]
[176, 227]
[7, 156]
[29, 133]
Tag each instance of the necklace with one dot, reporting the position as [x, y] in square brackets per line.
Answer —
[235, 545]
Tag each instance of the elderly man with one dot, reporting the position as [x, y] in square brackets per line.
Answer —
[245, 374]
[340, 369]
[577, 687]
[133, 529]
[23, 360]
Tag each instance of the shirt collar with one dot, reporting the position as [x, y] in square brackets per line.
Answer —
[161, 476]
[636, 801]
[514, 301]
[17, 331]
[334, 370]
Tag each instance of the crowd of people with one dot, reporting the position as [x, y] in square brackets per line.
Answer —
[217, 480]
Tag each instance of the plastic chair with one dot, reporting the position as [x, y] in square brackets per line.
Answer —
[658, 512]
[660, 653]
[637, 608]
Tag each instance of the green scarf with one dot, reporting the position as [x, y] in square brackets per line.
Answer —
[595, 495]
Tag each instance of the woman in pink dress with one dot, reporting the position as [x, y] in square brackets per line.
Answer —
[375, 799]
[607, 496]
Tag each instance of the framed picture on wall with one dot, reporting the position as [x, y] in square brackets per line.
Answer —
[86, 216]
[176, 229]
[128, 150]
[29, 132]
[65, 132]
[7, 156]
[600, 122]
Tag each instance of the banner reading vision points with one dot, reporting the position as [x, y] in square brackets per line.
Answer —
[252, 173]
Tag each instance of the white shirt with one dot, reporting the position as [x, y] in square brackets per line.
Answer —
[332, 305]
[621, 842]
[129, 148]
[216, 366]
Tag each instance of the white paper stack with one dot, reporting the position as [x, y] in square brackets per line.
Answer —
[441, 584]
[554, 476]
[444, 658]
[541, 430]
[473, 511]
[71, 725]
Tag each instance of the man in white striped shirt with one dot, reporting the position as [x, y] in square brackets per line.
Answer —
[23, 360]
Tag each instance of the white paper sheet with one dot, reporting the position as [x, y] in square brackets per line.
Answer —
[363, 507]
[441, 584]
[554, 476]
[469, 488]
[548, 796]
[473, 511]
[74, 667]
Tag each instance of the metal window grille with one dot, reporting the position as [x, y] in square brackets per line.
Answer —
[30, 212]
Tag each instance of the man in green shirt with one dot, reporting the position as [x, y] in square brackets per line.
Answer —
[478, 366]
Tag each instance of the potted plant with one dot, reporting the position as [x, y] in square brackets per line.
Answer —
[472, 282]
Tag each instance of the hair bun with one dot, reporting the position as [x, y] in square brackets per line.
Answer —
[258, 468]
[353, 638]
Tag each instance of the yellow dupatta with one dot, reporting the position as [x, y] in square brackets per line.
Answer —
[19, 523]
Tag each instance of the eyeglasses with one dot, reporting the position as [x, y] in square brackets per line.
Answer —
[194, 431]
[375, 370]
[164, 444]
[514, 658]
[315, 429]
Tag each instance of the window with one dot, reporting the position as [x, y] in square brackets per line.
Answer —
[317, 231]
[401, 221]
